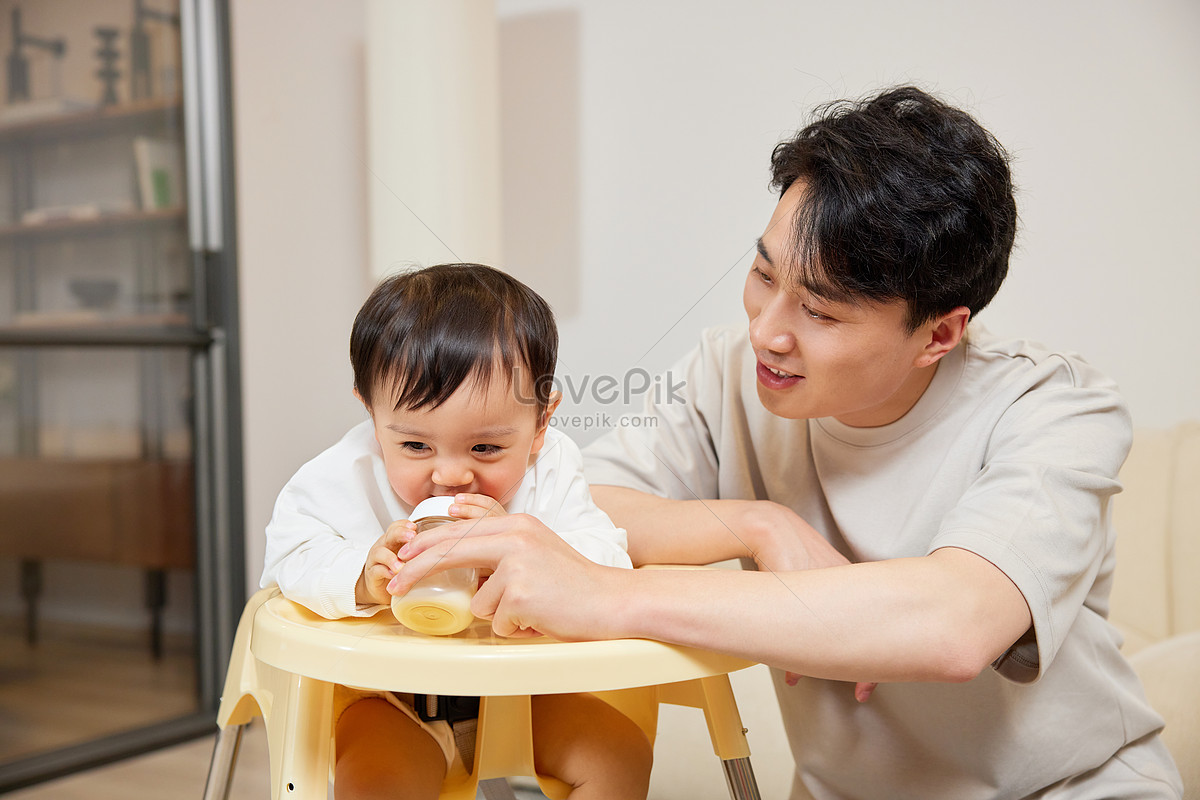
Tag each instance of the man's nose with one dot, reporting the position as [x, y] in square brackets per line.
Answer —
[770, 328]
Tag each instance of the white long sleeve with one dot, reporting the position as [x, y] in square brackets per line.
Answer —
[339, 504]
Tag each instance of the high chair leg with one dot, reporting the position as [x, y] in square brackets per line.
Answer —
[714, 696]
[299, 733]
[739, 777]
[224, 761]
[496, 789]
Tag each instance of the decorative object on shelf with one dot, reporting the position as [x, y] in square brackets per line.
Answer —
[97, 293]
[18, 65]
[159, 171]
[139, 48]
[108, 55]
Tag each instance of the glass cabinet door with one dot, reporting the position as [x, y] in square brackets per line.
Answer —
[106, 337]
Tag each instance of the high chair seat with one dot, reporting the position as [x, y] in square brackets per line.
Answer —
[286, 660]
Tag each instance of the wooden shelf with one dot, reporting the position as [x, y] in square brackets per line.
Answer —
[104, 223]
[93, 121]
[97, 329]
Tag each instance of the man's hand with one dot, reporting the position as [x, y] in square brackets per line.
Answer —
[382, 564]
[476, 506]
[780, 540]
[539, 585]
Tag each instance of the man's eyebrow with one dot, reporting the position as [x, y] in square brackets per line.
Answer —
[762, 251]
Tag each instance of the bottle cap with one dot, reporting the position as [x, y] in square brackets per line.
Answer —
[432, 507]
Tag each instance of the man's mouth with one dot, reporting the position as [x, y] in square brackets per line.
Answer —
[774, 378]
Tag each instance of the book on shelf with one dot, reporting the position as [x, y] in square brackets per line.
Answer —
[159, 172]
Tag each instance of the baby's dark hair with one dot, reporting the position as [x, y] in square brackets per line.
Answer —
[907, 198]
[421, 334]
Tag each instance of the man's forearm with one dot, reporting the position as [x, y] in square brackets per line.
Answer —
[942, 617]
[664, 531]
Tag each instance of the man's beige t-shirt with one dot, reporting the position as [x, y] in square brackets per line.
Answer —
[1012, 453]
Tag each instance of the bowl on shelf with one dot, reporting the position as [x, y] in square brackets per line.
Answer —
[97, 293]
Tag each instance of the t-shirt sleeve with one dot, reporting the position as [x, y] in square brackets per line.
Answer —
[670, 452]
[1040, 507]
[567, 508]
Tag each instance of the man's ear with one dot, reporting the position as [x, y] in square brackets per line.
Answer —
[539, 438]
[942, 334]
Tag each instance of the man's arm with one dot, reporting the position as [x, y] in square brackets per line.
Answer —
[665, 531]
[941, 617]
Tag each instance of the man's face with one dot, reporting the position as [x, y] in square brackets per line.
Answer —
[816, 358]
[480, 441]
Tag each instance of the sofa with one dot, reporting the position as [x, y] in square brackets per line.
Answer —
[1155, 604]
[1156, 595]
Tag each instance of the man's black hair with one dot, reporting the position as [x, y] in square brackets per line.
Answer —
[905, 198]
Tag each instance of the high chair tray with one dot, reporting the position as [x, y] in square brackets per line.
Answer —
[389, 656]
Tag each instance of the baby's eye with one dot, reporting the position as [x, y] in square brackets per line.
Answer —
[487, 449]
[416, 447]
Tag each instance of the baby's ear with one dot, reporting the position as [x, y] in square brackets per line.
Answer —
[359, 398]
[539, 438]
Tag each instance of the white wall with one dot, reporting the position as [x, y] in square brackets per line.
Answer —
[679, 103]
[636, 138]
[635, 154]
[299, 144]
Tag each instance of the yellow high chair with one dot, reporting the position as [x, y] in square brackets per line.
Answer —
[286, 661]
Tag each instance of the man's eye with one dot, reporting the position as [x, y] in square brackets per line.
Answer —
[815, 314]
[762, 276]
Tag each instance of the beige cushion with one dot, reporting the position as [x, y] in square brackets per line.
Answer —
[1184, 548]
[1170, 671]
[1158, 537]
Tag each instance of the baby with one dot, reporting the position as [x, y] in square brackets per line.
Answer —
[454, 365]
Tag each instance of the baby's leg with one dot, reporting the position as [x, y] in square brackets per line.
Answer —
[591, 746]
[382, 753]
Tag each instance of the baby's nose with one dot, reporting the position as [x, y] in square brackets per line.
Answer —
[453, 474]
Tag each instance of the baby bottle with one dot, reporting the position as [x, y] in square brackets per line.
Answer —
[437, 604]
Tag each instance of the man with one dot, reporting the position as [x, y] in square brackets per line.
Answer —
[928, 506]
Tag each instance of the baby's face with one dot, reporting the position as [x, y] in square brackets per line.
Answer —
[480, 441]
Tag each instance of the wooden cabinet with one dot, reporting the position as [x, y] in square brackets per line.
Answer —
[101, 314]
[120, 442]
[136, 512]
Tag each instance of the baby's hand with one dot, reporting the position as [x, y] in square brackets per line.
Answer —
[382, 564]
[476, 506]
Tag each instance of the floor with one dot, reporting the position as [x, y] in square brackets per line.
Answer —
[76, 684]
[79, 683]
[176, 773]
